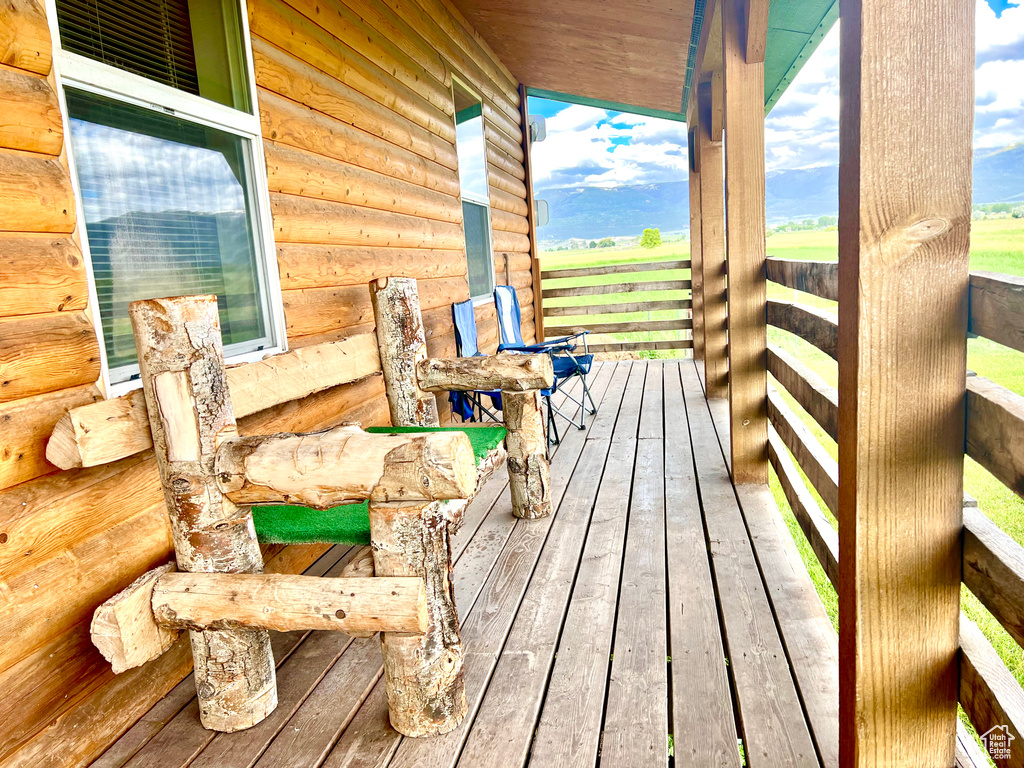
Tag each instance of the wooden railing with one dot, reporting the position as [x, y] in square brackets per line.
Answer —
[993, 562]
[616, 323]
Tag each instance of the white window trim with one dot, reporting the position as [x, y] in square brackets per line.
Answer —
[106, 80]
[477, 199]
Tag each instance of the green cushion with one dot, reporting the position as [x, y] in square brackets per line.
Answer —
[349, 523]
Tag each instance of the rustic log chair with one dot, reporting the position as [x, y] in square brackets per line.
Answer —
[413, 485]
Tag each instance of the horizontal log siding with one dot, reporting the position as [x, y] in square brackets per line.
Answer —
[356, 109]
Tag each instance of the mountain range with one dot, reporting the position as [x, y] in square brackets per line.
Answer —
[790, 195]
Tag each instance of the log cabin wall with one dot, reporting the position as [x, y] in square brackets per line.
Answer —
[357, 112]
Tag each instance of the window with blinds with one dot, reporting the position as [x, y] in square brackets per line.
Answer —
[476, 214]
[190, 45]
[170, 203]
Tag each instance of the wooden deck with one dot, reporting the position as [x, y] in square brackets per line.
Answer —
[658, 604]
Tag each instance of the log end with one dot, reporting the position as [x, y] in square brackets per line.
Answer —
[124, 628]
[62, 447]
[435, 465]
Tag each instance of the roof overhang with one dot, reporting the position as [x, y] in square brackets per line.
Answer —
[632, 56]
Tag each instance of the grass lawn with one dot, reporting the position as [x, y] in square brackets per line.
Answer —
[996, 246]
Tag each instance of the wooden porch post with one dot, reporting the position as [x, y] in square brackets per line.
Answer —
[904, 229]
[745, 233]
[696, 267]
[712, 244]
[531, 217]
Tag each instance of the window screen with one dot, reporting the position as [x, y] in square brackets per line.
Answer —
[168, 212]
[478, 249]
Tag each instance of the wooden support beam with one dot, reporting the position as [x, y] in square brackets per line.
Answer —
[515, 373]
[286, 602]
[345, 464]
[529, 473]
[402, 343]
[423, 674]
[114, 429]
[745, 237]
[755, 17]
[696, 262]
[182, 367]
[997, 308]
[905, 207]
[531, 214]
[712, 249]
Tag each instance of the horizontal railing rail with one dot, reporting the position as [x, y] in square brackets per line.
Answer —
[627, 307]
[820, 278]
[993, 561]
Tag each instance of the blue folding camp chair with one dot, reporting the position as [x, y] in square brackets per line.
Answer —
[469, 406]
[568, 364]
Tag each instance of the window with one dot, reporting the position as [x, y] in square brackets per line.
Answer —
[476, 214]
[166, 154]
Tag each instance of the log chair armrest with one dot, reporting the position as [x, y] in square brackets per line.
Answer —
[505, 372]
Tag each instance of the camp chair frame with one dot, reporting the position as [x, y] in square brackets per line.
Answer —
[506, 304]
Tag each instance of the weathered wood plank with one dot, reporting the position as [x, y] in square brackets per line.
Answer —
[32, 103]
[823, 538]
[492, 635]
[994, 570]
[989, 693]
[905, 204]
[599, 290]
[637, 707]
[995, 431]
[812, 325]
[812, 646]
[815, 396]
[820, 468]
[774, 728]
[634, 346]
[616, 269]
[997, 308]
[604, 309]
[704, 726]
[638, 326]
[820, 278]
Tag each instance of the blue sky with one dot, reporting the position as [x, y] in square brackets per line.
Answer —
[586, 146]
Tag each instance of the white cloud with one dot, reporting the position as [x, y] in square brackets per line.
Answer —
[587, 146]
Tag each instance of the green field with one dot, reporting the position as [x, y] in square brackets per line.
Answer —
[996, 246]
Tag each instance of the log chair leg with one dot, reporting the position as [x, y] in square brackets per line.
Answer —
[422, 673]
[182, 368]
[529, 473]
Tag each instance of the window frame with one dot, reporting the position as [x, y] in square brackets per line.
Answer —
[487, 298]
[119, 85]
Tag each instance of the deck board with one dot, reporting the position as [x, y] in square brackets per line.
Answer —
[636, 724]
[704, 736]
[591, 636]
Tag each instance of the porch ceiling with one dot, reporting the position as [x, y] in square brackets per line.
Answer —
[635, 53]
[627, 51]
